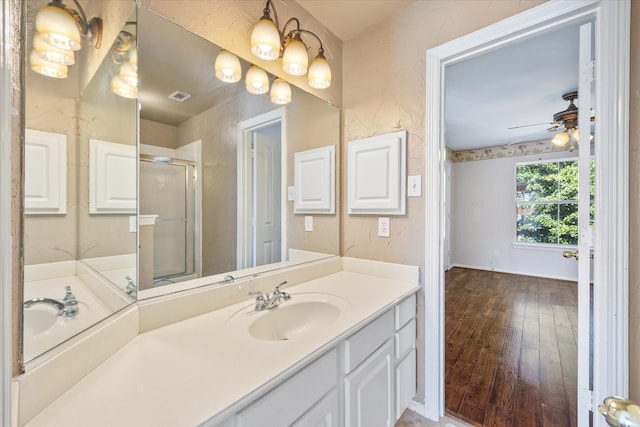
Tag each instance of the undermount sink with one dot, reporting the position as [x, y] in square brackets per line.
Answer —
[304, 313]
[37, 321]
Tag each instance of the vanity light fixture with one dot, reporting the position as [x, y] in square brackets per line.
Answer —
[280, 92]
[257, 81]
[227, 67]
[59, 32]
[268, 42]
[120, 88]
[124, 52]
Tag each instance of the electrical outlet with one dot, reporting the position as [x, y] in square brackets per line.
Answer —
[308, 223]
[383, 227]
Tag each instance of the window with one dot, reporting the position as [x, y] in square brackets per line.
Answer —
[547, 202]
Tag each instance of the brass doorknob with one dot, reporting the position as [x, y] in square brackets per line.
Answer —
[570, 254]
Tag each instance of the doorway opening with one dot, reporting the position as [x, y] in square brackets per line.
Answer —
[261, 176]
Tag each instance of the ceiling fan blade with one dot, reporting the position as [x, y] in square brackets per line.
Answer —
[532, 124]
[532, 137]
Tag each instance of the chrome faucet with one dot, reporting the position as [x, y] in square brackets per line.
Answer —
[67, 307]
[270, 300]
[131, 288]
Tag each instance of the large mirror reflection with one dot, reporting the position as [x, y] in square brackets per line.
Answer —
[79, 253]
[216, 164]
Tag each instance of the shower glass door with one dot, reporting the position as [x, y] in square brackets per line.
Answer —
[167, 189]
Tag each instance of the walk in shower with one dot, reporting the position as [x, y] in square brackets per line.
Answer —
[168, 190]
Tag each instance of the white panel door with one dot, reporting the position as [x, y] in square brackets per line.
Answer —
[266, 176]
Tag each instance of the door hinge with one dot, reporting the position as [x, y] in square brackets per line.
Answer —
[589, 71]
[587, 400]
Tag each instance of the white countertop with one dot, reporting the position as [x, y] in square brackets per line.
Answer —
[186, 373]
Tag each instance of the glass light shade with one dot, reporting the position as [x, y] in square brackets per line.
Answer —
[227, 67]
[319, 73]
[265, 40]
[257, 81]
[120, 88]
[128, 74]
[46, 68]
[560, 139]
[133, 58]
[280, 92]
[58, 28]
[51, 53]
[295, 59]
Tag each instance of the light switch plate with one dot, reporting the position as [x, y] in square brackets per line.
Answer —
[308, 223]
[383, 227]
[414, 184]
[291, 193]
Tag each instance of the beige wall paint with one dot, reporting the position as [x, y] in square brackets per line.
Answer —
[384, 91]
[158, 134]
[634, 207]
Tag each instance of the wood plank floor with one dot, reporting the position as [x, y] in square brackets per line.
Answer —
[511, 352]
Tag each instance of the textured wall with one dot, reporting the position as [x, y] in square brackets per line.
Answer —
[384, 91]
[634, 208]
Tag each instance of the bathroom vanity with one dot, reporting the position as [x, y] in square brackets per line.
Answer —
[341, 351]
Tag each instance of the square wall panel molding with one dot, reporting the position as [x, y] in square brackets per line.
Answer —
[377, 169]
[112, 169]
[314, 180]
[45, 183]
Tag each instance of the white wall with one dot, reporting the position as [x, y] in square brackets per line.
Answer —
[483, 221]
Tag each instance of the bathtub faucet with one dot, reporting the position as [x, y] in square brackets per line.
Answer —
[67, 307]
[272, 300]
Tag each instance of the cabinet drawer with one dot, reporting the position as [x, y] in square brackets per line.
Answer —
[323, 414]
[405, 339]
[364, 342]
[405, 383]
[405, 311]
[287, 402]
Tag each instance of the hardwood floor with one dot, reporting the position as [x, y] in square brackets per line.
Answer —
[511, 353]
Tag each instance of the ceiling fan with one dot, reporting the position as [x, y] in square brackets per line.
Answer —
[566, 121]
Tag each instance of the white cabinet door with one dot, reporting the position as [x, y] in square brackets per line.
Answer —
[323, 414]
[405, 388]
[368, 391]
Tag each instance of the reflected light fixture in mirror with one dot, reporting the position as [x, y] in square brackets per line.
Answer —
[280, 92]
[257, 81]
[59, 32]
[125, 53]
[227, 67]
[268, 42]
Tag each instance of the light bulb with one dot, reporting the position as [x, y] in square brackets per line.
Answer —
[128, 74]
[280, 92]
[120, 88]
[46, 68]
[265, 39]
[227, 67]
[295, 59]
[51, 53]
[560, 139]
[58, 28]
[257, 81]
[319, 72]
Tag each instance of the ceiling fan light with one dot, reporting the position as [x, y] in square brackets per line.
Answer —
[58, 27]
[227, 67]
[51, 53]
[295, 59]
[319, 72]
[560, 139]
[257, 81]
[265, 39]
[120, 88]
[280, 92]
[46, 68]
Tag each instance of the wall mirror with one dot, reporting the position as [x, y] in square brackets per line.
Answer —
[66, 242]
[215, 165]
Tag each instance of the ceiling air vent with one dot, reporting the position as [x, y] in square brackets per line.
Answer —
[180, 96]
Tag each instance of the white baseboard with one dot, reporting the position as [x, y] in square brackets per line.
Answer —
[522, 273]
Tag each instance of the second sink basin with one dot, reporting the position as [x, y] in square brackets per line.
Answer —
[305, 313]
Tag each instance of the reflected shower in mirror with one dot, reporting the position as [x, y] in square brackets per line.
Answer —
[216, 162]
[69, 240]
